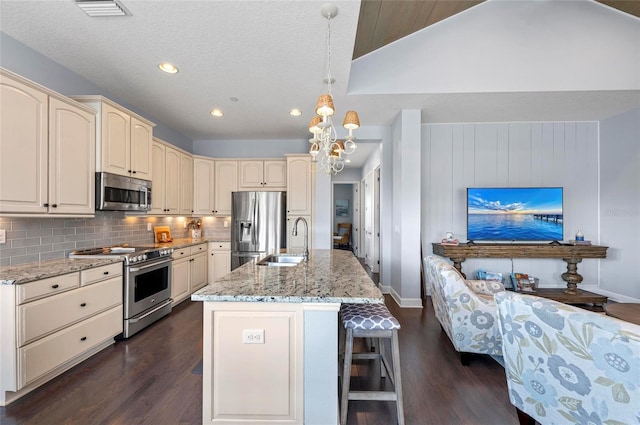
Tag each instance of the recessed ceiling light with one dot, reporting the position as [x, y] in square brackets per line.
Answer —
[217, 113]
[233, 99]
[295, 112]
[347, 160]
[168, 68]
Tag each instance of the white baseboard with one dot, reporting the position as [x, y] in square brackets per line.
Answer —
[402, 302]
[611, 295]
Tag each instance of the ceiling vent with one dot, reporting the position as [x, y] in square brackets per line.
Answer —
[98, 8]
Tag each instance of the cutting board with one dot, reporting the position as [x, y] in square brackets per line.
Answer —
[163, 234]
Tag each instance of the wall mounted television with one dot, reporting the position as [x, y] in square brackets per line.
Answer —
[523, 214]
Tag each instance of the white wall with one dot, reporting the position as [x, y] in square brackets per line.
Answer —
[510, 46]
[620, 205]
[457, 156]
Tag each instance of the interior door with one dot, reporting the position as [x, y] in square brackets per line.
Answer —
[375, 201]
[368, 221]
[355, 237]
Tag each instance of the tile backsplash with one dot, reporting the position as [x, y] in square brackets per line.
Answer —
[38, 239]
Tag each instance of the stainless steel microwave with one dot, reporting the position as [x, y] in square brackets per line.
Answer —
[119, 193]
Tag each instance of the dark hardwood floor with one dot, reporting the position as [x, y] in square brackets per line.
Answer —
[149, 379]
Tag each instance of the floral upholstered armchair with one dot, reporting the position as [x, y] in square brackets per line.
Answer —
[566, 365]
[465, 308]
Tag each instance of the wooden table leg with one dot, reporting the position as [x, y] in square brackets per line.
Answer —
[571, 276]
[457, 263]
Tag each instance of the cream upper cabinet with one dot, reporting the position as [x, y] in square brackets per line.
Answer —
[47, 151]
[203, 180]
[300, 185]
[124, 139]
[262, 174]
[157, 182]
[71, 159]
[172, 180]
[186, 184]
[226, 181]
[141, 136]
[167, 183]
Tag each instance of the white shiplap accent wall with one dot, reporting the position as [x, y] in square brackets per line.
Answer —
[457, 156]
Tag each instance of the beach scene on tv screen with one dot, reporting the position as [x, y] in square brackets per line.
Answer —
[514, 214]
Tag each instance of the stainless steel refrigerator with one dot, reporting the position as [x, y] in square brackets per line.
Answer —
[259, 226]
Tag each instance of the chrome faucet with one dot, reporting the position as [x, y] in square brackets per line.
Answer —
[306, 235]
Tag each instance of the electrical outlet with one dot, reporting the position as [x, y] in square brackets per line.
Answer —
[226, 223]
[148, 227]
[3, 236]
[253, 336]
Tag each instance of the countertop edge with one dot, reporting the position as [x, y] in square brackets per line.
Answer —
[284, 299]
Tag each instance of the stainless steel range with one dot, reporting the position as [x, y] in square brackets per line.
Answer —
[147, 283]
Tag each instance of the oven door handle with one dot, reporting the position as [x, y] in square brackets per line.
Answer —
[148, 313]
[137, 269]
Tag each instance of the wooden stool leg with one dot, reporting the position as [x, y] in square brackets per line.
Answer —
[383, 369]
[395, 352]
[346, 377]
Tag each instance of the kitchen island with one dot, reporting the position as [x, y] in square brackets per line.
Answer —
[270, 341]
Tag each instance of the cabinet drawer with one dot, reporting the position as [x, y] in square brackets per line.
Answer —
[87, 277]
[41, 357]
[45, 287]
[45, 316]
[219, 246]
[197, 249]
[181, 253]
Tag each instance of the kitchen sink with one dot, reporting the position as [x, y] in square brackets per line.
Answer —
[281, 260]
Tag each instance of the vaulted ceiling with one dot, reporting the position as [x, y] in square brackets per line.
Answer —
[258, 59]
[384, 21]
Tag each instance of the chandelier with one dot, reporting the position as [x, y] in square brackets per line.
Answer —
[325, 143]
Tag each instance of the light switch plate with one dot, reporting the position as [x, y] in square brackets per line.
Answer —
[3, 236]
[253, 336]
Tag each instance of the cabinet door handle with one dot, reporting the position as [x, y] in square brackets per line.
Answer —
[84, 338]
[55, 205]
[83, 305]
[128, 171]
[134, 171]
[46, 205]
[56, 286]
[105, 273]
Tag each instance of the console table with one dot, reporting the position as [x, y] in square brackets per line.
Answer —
[570, 254]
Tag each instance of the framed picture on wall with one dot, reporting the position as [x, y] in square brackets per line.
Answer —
[342, 207]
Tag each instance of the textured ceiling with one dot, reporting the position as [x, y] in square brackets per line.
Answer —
[270, 55]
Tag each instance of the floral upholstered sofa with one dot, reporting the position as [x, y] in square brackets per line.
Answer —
[465, 308]
[565, 365]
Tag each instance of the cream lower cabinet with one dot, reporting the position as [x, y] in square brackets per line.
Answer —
[189, 271]
[50, 325]
[219, 260]
[47, 151]
[257, 383]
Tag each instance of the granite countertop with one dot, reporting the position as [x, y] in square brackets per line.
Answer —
[330, 276]
[28, 272]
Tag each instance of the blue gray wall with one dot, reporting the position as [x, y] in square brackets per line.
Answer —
[23, 60]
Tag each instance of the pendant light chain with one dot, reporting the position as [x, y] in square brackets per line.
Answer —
[329, 54]
[326, 149]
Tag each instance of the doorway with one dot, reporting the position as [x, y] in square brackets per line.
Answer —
[346, 209]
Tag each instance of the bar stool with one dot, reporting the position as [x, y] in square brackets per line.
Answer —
[370, 321]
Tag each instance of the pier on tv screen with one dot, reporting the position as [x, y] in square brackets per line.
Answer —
[514, 214]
